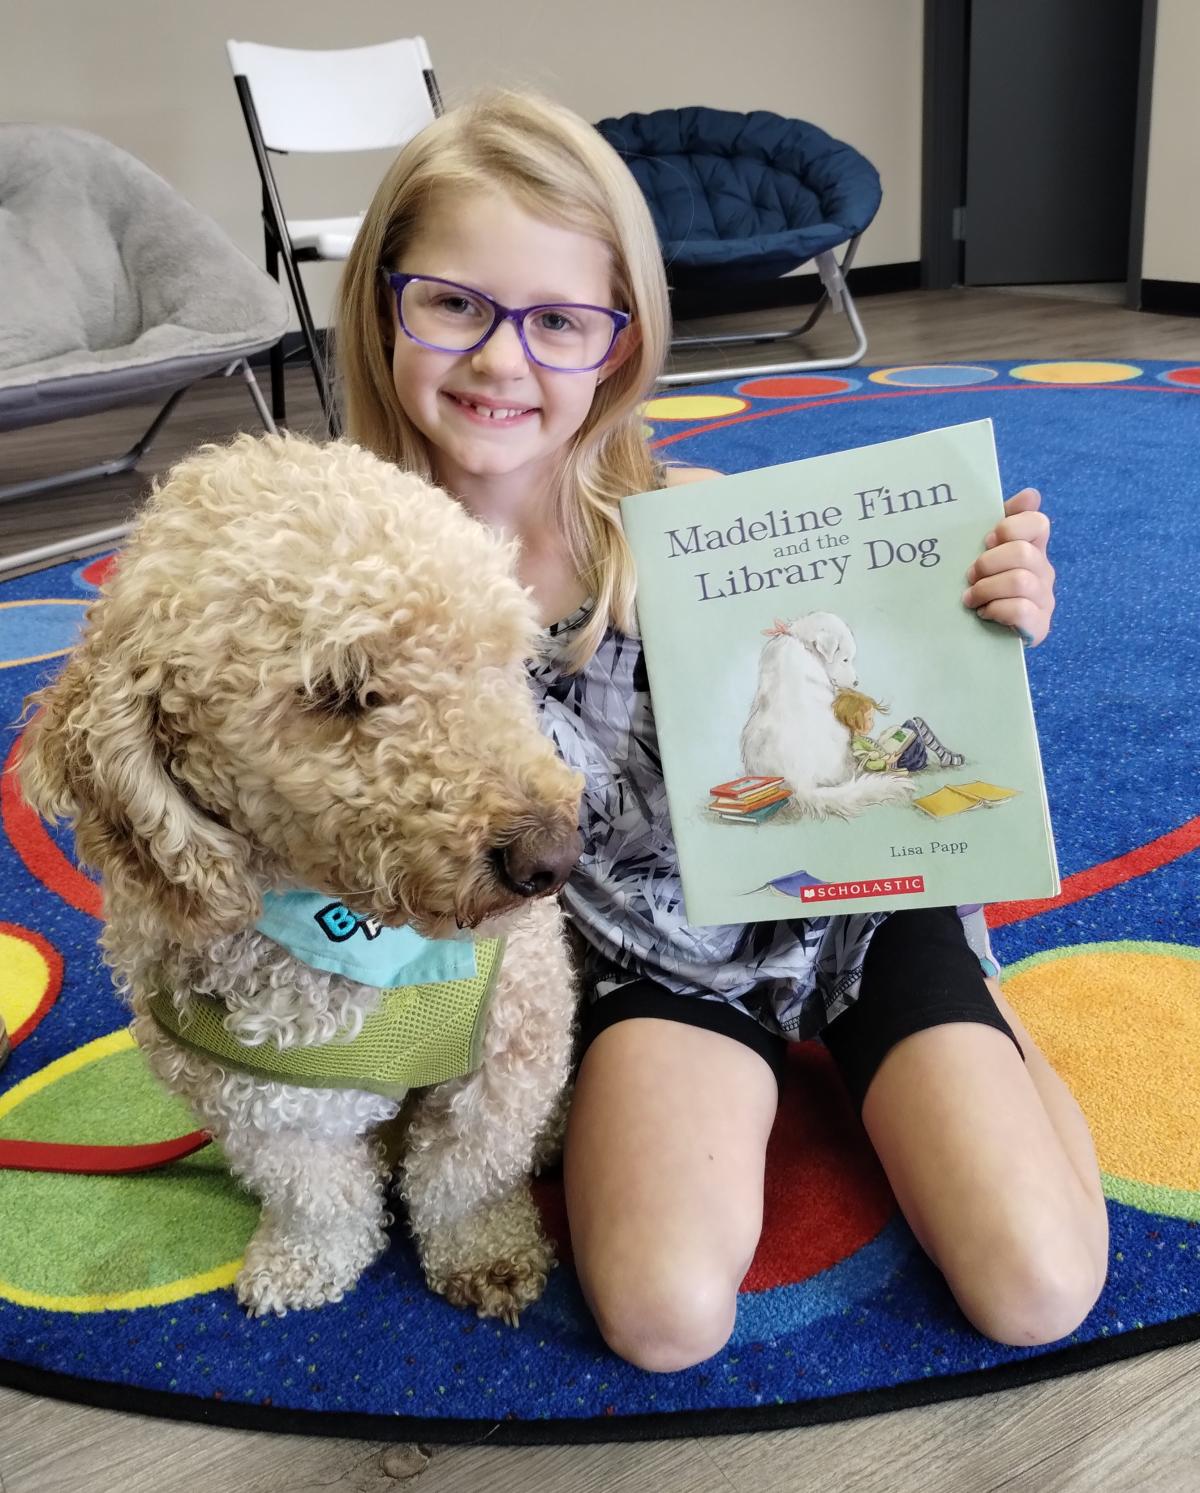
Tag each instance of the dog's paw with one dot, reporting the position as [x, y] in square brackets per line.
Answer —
[494, 1258]
[502, 1288]
[281, 1274]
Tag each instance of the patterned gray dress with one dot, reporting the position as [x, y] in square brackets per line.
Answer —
[625, 898]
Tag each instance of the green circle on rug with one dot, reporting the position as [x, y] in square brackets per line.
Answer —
[82, 1244]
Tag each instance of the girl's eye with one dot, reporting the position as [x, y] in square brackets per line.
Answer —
[456, 305]
[555, 320]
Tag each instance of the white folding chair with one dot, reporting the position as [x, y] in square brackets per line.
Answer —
[294, 102]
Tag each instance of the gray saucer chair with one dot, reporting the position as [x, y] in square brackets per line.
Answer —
[115, 290]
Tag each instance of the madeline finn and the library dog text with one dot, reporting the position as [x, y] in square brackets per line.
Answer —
[806, 530]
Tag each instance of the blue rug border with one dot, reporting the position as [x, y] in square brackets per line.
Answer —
[593, 1430]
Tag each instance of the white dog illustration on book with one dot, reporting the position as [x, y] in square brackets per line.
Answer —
[792, 732]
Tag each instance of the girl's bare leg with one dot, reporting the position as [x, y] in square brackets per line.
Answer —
[664, 1158]
[992, 1163]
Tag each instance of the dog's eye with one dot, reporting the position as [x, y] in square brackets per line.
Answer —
[343, 701]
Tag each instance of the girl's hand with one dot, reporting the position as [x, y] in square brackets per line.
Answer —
[1012, 582]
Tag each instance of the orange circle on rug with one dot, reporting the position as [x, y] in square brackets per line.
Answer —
[693, 406]
[33, 971]
[1121, 1023]
[1075, 373]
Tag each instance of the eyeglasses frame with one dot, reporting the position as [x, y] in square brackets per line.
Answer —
[501, 314]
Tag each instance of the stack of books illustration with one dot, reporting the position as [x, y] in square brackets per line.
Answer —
[748, 800]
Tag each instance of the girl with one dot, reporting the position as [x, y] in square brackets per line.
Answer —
[502, 317]
[856, 711]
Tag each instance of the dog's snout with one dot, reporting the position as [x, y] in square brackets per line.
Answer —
[537, 863]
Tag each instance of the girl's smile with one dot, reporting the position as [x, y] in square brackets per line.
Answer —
[490, 412]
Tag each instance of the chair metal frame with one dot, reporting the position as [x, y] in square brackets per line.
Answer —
[835, 293]
[111, 468]
[279, 247]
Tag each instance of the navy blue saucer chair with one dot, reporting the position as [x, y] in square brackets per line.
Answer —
[751, 196]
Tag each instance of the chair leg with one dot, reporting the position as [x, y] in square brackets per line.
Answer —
[99, 537]
[835, 294]
[243, 367]
[110, 468]
[278, 377]
[309, 331]
[96, 539]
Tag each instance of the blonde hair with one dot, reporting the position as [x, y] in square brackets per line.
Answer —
[558, 168]
[853, 709]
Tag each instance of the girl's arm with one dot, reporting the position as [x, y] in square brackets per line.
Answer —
[676, 476]
[1012, 582]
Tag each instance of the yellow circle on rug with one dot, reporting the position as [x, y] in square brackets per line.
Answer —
[27, 977]
[1075, 373]
[693, 406]
[73, 1243]
[1120, 1022]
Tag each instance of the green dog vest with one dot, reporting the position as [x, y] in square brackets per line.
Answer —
[418, 1035]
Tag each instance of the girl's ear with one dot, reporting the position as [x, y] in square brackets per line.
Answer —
[627, 343]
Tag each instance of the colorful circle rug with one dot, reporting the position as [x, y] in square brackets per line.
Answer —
[116, 1290]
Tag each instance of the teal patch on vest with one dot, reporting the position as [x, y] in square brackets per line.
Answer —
[319, 931]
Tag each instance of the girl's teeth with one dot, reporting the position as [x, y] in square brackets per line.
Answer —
[489, 413]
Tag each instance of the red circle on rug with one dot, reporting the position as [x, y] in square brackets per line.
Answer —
[825, 1196]
[793, 388]
[37, 850]
[1189, 376]
[97, 571]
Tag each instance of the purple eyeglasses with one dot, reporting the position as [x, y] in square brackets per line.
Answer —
[451, 318]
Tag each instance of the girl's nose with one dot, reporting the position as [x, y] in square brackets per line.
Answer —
[502, 354]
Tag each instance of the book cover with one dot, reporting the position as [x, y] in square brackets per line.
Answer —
[838, 731]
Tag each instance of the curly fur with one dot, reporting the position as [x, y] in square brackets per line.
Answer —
[308, 670]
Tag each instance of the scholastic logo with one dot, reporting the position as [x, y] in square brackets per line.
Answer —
[839, 891]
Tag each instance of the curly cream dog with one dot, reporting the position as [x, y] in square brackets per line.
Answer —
[308, 671]
[792, 732]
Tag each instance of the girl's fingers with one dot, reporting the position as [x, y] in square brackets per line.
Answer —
[1013, 554]
[1025, 618]
[1011, 585]
[1031, 525]
[1028, 500]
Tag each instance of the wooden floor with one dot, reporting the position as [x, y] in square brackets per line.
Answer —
[1127, 1428]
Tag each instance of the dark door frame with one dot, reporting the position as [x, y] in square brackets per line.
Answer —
[944, 144]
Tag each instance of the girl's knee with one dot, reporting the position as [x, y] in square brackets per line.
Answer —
[1025, 1297]
[664, 1320]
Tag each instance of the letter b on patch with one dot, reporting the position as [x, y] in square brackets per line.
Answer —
[336, 922]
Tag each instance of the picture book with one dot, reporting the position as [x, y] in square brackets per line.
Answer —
[819, 684]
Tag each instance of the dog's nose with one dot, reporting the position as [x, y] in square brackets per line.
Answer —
[537, 863]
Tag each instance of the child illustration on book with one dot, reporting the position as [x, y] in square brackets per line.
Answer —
[905, 748]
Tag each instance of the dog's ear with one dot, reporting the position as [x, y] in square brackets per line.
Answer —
[825, 634]
[821, 638]
[92, 756]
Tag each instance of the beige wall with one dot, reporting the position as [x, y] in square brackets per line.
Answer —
[1172, 237]
[151, 75]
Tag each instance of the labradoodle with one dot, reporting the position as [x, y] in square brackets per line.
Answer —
[306, 676]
